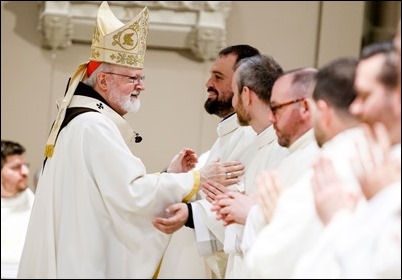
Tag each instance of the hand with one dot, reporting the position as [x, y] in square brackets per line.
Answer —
[212, 190]
[233, 207]
[178, 215]
[330, 195]
[184, 161]
[376, 167]
[269, 187]
[225, 173]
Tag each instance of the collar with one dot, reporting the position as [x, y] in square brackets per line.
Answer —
[227, 125]
[102, 107]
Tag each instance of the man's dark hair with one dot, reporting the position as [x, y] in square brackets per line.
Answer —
[10, 148]
[388, 75]
[241, 51]
[335, 83]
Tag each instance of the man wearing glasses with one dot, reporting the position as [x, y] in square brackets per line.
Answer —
[291, 116]
[95, 201]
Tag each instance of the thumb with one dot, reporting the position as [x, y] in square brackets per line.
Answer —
[172, 208]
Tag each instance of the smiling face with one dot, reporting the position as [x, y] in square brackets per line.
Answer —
[219, 87]
[121, 88]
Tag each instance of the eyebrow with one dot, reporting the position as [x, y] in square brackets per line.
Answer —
[218, 73]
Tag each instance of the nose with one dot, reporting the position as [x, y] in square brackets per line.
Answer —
[24, 170]
[356, 107]
[209, 83]
[140, 86]
[272, 117]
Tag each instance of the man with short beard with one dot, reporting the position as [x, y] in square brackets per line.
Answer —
[182, 261]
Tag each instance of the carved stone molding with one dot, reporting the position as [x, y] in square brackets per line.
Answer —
[199, 26]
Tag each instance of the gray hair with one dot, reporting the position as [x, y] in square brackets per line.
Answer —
[103, 67]
[258, 73]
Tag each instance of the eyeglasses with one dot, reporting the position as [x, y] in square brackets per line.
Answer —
[134, 79]
[275, 108]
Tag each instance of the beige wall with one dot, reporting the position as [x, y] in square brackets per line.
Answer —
[172, 116]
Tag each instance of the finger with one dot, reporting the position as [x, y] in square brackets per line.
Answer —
[219, 217]
[215, 187]
[235, 169]
[278, 186]
[264, 188]
[159, 227]
[209, 192]
[383, 141]
[373, 150]
[267, 190]
[234, 194]
[321, 169]
[229, 182]
[224, 202]
[215, 208]
[361, 161]
[231, 163]
[233, 174]
[382, 136]
[225, 211]
[187, 151]
[261, 189]
[161, 221]
[229, 219]
[174, 208]
[210, 199]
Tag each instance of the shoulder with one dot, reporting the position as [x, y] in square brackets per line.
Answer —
[91, 124]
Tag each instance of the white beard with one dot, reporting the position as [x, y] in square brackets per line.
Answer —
[126, 103]
[132, 106]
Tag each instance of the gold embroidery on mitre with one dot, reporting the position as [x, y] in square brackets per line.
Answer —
[96, 35]
[125, 45]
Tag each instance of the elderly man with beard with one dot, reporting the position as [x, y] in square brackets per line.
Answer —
[95, 201]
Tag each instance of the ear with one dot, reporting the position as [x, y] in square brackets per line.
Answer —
[246, 95]
[325, 112]
[306, 109]
[101, 81]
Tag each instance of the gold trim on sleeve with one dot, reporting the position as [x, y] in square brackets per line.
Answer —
[196, 186]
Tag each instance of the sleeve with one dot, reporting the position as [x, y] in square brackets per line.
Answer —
[254, 224]
[121, 178]
[206, 240]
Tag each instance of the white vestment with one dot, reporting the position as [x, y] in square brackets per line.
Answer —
[95, 202]
[267, 156]
[300, 156]
[295, 225]
[15, 212]
[361, 244]
[182, 259]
